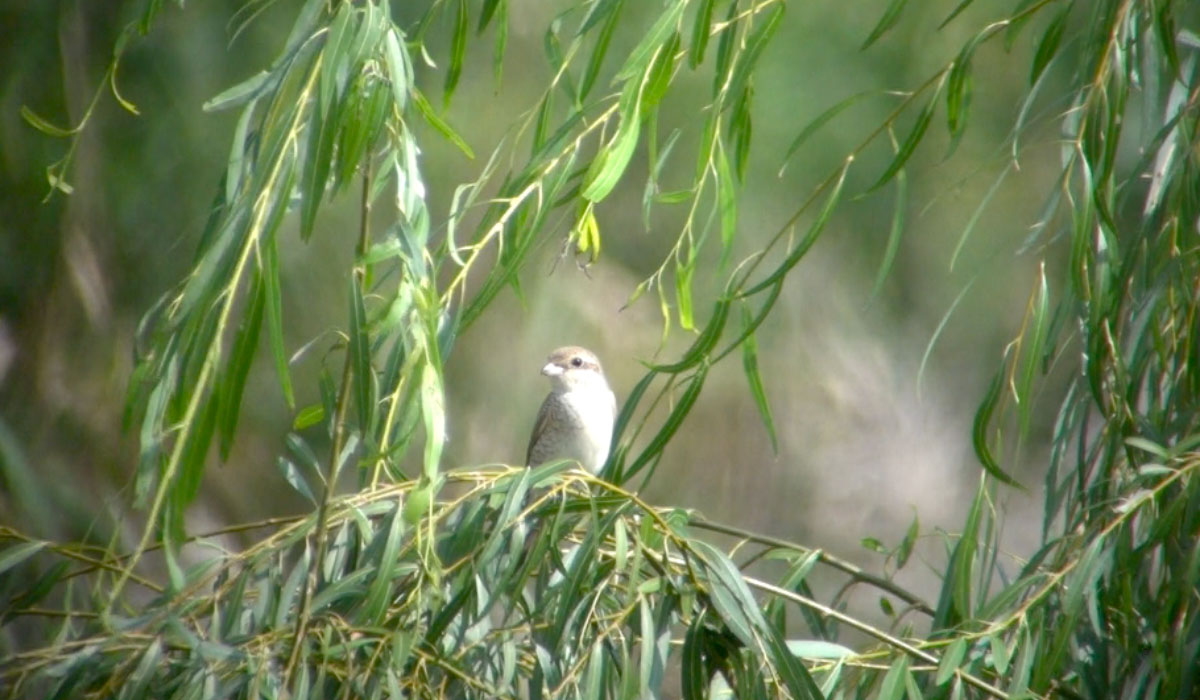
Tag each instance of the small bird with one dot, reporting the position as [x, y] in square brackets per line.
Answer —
[576, 419]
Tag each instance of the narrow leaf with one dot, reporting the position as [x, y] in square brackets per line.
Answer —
[639, 58]
[292, 475]
[983, 419]
[888, 20]
[754, 380]
[701, 30]
[19, 553]
[909, 145]
[951, 660]
[819, 121]
[608, 167]
[899, 215]
[458, 50]
[274, 299]
[239, 94]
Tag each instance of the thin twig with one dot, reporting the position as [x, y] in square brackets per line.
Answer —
[842, 565]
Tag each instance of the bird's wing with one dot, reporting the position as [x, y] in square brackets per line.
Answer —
[539, 426]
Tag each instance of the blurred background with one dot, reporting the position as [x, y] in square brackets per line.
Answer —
[866, 441]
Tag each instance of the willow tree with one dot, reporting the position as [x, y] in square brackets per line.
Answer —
[432, 580]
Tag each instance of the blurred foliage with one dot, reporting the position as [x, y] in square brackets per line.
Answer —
[509, 582]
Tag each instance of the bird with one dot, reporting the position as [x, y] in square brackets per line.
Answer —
[576, 418]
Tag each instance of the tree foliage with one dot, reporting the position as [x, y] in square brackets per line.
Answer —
[508, 582]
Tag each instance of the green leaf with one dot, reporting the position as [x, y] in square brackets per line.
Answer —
[240, 359]
[729, 594]
[1000, 655]
[727, 205]
[177, 581]
[651, 193]
[755, 45]
[818, 649]
[361, 117]
[501, 42]
[683, 294]
[1048, 45]
[290, 589]
[610, 12]
[37, 122]
[819, 121]
[1148, 446]
[14, 555]
[704, 342]
[658, 77]
[741, 127]
[911, 687]
[888, 20]
[906, 545]
[892, 687]
[150, 441]
[899, 214]
[514, 501]
[321, 136]
[306, 20]
[951, 659]
[678, 412]
[274, 299]
[399, 69]
[458, 50]
[983, 419]
[486, 14]
[1033, 349]
[374, 606]
[660, 31]
[594, 678]
[239, 94]
[958, 91]
[909, 145]
[146, 670]
[308, 416]
[954, 13]
[754, 380]
[976, 215]
[293, 476]
[693, 675]
[725, 53]
[360, 355]
[192, 460]
[796, 679]
[701, 29]
[38, 590]
[610, 164]
[810, 237]
[238, 151]
[954, 603]
[434, 412]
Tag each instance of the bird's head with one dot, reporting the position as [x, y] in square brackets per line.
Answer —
[572, 368]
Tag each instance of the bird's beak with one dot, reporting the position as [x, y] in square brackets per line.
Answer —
[552, 370]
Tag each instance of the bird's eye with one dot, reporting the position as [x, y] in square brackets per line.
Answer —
[576, 361]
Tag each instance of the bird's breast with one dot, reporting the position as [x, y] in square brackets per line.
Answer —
[594, 413]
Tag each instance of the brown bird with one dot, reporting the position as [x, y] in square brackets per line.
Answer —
[576, 419]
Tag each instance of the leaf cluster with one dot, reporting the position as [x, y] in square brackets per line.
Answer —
[510, 582]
